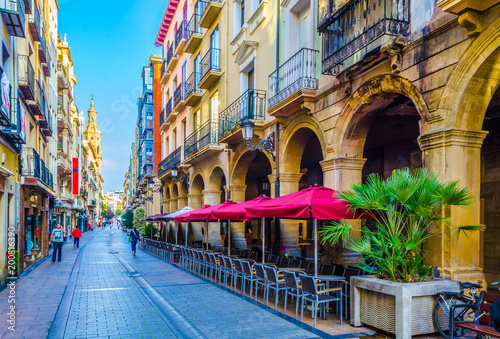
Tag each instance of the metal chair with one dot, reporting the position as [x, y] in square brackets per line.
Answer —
[228, 270]
[261, 280]
[274, 283]
[248, 275]
[311, 293]
[293, 288]
[238, 273]
[284, 262]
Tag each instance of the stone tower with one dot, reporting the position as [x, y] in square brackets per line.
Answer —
[93, 135]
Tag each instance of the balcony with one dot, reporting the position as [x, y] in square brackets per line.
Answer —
[17, 130]
[62, 77]
[193, 34]
[64, 166]
[43, 54]
[193, 92]
[169, 115]
[202, 143]
[5, 114]
[358, 29]
[251, 105]
[172, 59]
[173, 159]
[180, 38]
[210, 69]
[35, 172]
[210, 10]
[63, 119]
[292, 87]
[26, 77]
[45, 122]
[34, 22]
[13, 16]
[38, 105]
[92, 203]
[179, 96]
[165, 74]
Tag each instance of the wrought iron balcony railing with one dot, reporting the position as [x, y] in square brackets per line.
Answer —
[26, 77]
[205, 135]
[297, 73]
[167, 110]
[163, 67]
[251, 105]
[13, 16]
[39, 106]
[6, 114]
[170, 53]
[34, 22]
[30, 163]
[210, 62]
[173, 158]
[357, 25]
[179, 93]
[192, 83]
[17, 131]
[192, 26]
[181, 33]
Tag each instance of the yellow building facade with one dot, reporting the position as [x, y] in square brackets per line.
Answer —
[412, 87]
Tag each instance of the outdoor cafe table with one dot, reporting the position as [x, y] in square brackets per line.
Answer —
[292, 269]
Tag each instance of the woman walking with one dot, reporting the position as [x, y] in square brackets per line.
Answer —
[57, 239]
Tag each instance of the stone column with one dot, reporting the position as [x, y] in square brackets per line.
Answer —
[289, 229]
[212, 235]
[195, 201]
[238, 228]
[174, 204]
[455, 154]
[339, 173]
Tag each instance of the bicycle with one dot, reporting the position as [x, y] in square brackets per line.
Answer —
[444, 301]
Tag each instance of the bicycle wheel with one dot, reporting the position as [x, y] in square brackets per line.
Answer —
[441, 313]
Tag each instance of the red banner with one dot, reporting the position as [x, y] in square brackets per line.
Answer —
[76, 183]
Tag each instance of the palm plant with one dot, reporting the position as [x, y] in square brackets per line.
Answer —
[403, 208]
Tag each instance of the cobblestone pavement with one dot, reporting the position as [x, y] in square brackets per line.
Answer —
[103, 291]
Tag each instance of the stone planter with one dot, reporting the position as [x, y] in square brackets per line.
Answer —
[397, 308]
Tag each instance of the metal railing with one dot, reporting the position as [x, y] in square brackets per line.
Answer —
[168, 109]
[181, 33]
[26, 76]
[298, 72]
[16, 7]
[179, 93]
[30, 163]
[204, 135]
[34, 20]
[203, 5]
[170, 53]
[358, 24]
[40, 98]
[192, 83]
[251, 105]
[210, 62]
[173, 158]
[163, 67]
[192, 26]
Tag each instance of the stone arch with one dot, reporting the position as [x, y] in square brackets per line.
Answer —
[216, 175]
[241, 166]
[350, 133]
[473, 82]
[197, 184]
[294, 142]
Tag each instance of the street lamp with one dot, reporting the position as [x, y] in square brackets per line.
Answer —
[175, 171]
[266, 145]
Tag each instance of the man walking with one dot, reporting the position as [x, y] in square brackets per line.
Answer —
[57, 239]
[136, 237]
[77, 234]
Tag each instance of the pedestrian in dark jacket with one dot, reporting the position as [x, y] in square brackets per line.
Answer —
[136, 237]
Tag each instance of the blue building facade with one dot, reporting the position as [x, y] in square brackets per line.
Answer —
[145, 124]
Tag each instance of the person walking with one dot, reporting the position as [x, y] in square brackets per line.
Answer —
[57, 239]
[136, 237]
[77, 234]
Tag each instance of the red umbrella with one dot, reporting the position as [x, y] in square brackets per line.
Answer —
[237, 212]
[315, 202]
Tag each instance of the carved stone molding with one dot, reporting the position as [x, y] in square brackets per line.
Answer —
[451, 137]
[472, 21]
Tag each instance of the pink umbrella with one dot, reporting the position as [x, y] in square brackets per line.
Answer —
[315, 202]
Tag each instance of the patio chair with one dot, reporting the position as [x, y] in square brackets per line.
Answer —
[296, 263]
[273, 260]
[327, 269]
[274, 283]
[228, 270]
[253, 255]
[248, 275]
[261, 280]
[293, 288]
[238, 273]
[284, 262]
[319, 298]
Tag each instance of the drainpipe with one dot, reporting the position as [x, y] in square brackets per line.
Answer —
[277, 228]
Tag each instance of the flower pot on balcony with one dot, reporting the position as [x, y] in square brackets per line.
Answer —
[403, 309]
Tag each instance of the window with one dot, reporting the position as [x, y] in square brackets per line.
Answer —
[196, 120]
[214, 106]
[242, 13]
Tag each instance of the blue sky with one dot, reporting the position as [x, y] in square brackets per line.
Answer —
[110, 43]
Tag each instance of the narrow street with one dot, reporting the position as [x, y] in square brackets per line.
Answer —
[103, 291]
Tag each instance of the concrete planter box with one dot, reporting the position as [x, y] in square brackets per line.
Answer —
[397, 308]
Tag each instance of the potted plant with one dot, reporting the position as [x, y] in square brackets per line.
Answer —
[403, 209]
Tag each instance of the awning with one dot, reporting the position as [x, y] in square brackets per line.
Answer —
[237, 212]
